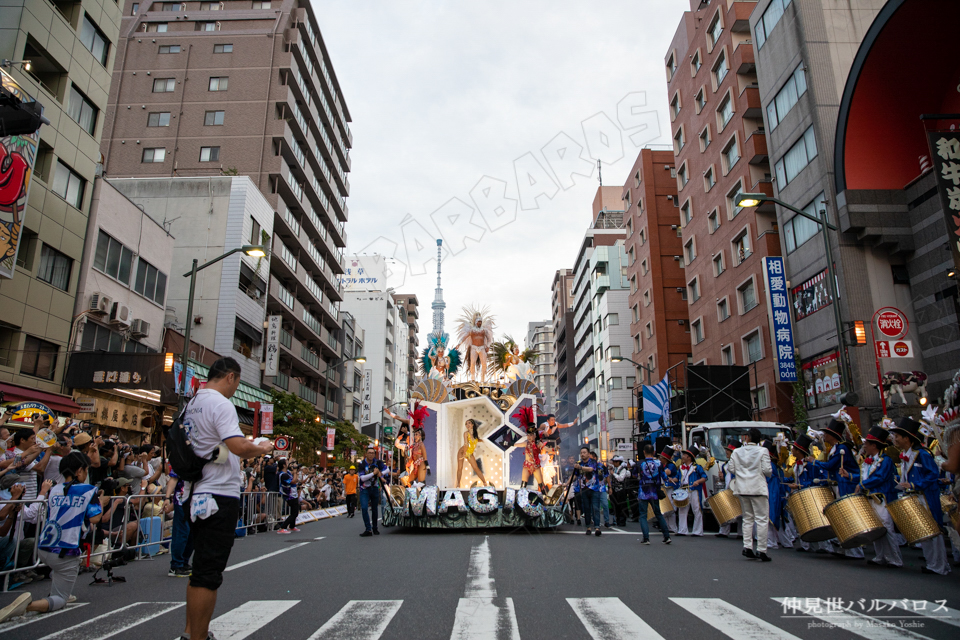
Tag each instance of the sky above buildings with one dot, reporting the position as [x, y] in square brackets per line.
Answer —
[485, 120]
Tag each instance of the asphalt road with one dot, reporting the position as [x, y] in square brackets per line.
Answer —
[326, 582]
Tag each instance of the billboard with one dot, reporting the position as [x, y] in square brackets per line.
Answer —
[365, 273]
[18, 153]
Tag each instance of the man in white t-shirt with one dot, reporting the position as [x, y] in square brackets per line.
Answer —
[214, 507]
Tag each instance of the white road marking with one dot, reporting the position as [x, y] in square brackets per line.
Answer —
[248, 618]
[264, 556]
[853, 622]
[114, 622]
[320, 538]
[607, 533]
[932, 610]
[481, 615]
[732, 621]
[359, 620]
[610, 619]
[31, 617]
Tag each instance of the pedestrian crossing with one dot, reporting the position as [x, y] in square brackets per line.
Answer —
[492, 617]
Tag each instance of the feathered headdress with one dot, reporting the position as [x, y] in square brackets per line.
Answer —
[526, 417]
[949, 417]
[418, 415]
[467, 323]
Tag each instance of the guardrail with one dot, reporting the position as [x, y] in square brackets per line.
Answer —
[21, 545]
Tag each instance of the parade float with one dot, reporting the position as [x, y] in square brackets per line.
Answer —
[475, 406]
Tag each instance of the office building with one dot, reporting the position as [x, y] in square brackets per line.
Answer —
[540, 337]
[409, 309]
[209, 89]
[564, 388]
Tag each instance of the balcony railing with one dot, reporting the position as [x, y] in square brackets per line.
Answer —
[307, 394]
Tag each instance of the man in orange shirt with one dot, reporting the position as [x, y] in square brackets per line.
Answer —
[350, 490]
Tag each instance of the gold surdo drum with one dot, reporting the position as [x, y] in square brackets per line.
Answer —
[725, 506]
[807, 507]
[913, 518]
[665, 507]
[854, 521]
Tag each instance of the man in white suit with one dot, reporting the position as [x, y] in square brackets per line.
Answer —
[750, 467]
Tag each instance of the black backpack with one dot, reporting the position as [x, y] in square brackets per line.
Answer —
[185, 462]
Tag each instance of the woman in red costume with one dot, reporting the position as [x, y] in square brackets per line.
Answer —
[531, 451]
[417, 465]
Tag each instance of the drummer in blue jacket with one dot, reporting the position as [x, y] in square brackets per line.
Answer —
[671, 481]
[877, 478]
[694, 479]
[841, 466]
[919, 472]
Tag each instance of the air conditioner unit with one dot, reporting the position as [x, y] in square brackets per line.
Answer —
[100, 304]
[120, 315]
[140, 328]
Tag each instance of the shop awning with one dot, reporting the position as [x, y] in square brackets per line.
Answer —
[57, 402]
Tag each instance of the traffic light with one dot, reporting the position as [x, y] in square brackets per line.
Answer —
[859, 332]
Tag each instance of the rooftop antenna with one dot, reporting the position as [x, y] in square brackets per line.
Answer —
[600, 173]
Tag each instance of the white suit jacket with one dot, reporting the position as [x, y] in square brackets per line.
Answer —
[750, 466]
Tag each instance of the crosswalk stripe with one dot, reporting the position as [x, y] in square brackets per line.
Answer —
[359, 620]
[9, 626]
[264, 556]
[611, 619]
[248, 618]
[114, 622]
[932, 610]
[856, 623]
[732, 621]
[485, 618]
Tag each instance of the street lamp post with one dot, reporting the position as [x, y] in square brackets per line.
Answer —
[326, 380]
[254, 251]
[754, 199]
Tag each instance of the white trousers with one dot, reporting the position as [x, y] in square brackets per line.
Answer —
[791, 529]
[886, 549]
[725, 529]
[954, 543]
[935, 552]
[695, 497]
[671, 517]
[756, 511]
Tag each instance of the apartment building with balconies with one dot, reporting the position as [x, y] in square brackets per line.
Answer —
[564, 388]
[409, 310]
[540, 337]
[241, 88]
[720, 151]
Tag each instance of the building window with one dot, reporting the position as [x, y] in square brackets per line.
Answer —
[724, 112]
[646, 298]
[696, 63]
[693, 289]
[211, 6]
[93, 39]
[720, 68]
[54, 268]
[134, 8]
[170, 6]
[223, 48]
[205, 26]
[678, 141]
[157, 27]
[636, 344]
[164, 85]
[726, 356]
[759, 398]
[643, 266]
[254, 231]
[39, 358]
[685, 213]
[643, 237]
[675, 106]
[169, 48]
[682, 176]
[796, 158]
[733, 207]
[155, 154]
[697, 331]
[709, 179]
[649, 329]
[671, 66]
[209, 154]
[731, 154]
[718, 264]
[748, 296]
[613, 318]
[82, 111]
[151, 283]
[787, 97]
[213, 118]
[723, 310]
[714, 30]
[713, 221]
[158, 119]
[741, 247]
[705, 138]
[285, 296]
[261, 5]
[112, 258]
[218, 84]
[288, 257]
[613, 352]
[616, 413]
[771, 16]
[752, 349]
[683, 293]
[68, 185]
[690, 250]
[798, 229]
[700, 99]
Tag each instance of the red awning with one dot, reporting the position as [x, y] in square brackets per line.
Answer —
[56, 401]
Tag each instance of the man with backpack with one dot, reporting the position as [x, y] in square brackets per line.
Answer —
[211, 430]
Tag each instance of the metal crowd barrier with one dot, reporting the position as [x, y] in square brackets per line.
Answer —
[256, 508]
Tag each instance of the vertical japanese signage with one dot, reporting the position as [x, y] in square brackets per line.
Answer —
[781, 329]
[331, 436]
[366, 406]
[266, 419]
[272, 356]
[946, 165]
[18, 153]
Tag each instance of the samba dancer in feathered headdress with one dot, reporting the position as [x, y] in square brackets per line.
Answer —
[531, 451]
[475, 330]
[417, 464]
